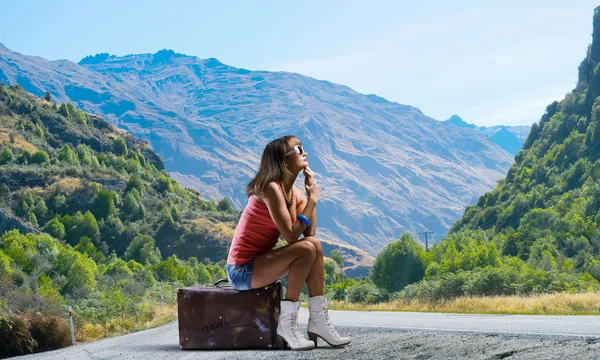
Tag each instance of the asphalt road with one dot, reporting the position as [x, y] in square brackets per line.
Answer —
[385, 335]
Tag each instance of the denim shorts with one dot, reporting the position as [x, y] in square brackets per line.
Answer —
[239, 275]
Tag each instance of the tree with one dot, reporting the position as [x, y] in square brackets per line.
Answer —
[25, 157]
[120, 147]
[202, 274]
[175, 214]
[63, 110]
[39, 131]
[6, 156]
[399, 263]
[68, 156]
[163, 183]
[48, 96]
[135, 182]
[172, 269]
[224, 205]
[39, 157]
[105, 203]
[85, 246]
[59, 204]
[337, 257]
[132, 205]
[71, 108]
[133, 250]
[149, 254]
[32, 219]
[55, 228]
[80, 116]
[80, 225]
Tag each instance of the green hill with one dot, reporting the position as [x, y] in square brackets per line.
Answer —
[551, 192]
[90, 219]
[61, 166]
[537, 231]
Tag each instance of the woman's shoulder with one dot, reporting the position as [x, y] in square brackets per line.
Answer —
[269, 191]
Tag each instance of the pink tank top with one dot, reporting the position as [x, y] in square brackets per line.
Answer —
[255, 234]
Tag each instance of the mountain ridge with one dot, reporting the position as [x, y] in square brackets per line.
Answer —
[395, 168]
[510, 138]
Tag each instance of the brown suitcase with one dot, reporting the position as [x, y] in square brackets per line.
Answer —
[220, 317]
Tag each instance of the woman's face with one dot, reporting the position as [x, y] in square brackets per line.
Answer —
[296, 159]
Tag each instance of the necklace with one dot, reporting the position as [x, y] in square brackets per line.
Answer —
[288, 201]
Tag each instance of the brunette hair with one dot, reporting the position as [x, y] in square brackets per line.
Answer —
[272, 164]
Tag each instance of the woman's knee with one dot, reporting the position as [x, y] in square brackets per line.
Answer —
[316, 243]
[306, 249]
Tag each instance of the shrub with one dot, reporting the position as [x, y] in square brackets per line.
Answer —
[6, 156]
[400, 263]
[39, 157]
[120, 147]
[16, 335]
[50, 332]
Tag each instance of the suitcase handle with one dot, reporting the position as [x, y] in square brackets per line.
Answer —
[220, 281]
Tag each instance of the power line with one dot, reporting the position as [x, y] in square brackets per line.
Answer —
[426, 244]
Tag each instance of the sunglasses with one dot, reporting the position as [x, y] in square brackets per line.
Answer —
[298, 149]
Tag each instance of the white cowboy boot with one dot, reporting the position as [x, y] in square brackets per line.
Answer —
[319, 323]
[288, 332]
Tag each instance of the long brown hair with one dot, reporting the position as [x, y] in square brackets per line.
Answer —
[272, 164]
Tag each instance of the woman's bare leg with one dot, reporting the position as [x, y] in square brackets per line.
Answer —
[296, 259]
[316, 276]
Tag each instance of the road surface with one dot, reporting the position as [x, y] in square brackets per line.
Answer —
[385, 335]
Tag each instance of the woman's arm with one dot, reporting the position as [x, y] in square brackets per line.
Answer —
[312, 229]
[275, 202]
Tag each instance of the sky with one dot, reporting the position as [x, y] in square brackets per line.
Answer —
[499, 63]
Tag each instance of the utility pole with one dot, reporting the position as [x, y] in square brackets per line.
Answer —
[426, 244]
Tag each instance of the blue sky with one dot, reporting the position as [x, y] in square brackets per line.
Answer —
[491, 64]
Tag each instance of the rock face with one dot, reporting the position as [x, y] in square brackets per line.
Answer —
[384, 167]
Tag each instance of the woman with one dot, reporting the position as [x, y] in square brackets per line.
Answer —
[274, 208]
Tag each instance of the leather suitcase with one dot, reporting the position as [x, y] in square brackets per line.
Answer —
[220, 317]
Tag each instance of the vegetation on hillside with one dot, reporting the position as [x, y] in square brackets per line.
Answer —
[110, 231]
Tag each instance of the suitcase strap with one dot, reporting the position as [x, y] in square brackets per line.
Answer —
[221, 281]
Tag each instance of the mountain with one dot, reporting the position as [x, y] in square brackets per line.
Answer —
[57, 164]
[458, 121]
[510, 138]
[547, 209]
[384, 167]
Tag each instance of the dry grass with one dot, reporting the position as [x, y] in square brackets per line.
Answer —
[68, 184]
[19, 143]
[543, 304]
[116, 327]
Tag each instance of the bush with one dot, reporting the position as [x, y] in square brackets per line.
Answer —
[6, 156]
[50, 332]
[39, 157]
[16, 335]
[513, 278]
[120, 147]
[400, 263]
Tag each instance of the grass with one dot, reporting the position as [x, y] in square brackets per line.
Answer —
[542, 304]
[116, 327]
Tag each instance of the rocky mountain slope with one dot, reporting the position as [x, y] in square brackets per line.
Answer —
[384, 167]
[510, 138]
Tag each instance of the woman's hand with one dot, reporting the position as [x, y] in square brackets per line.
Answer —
[313, 190]
[309, 176]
